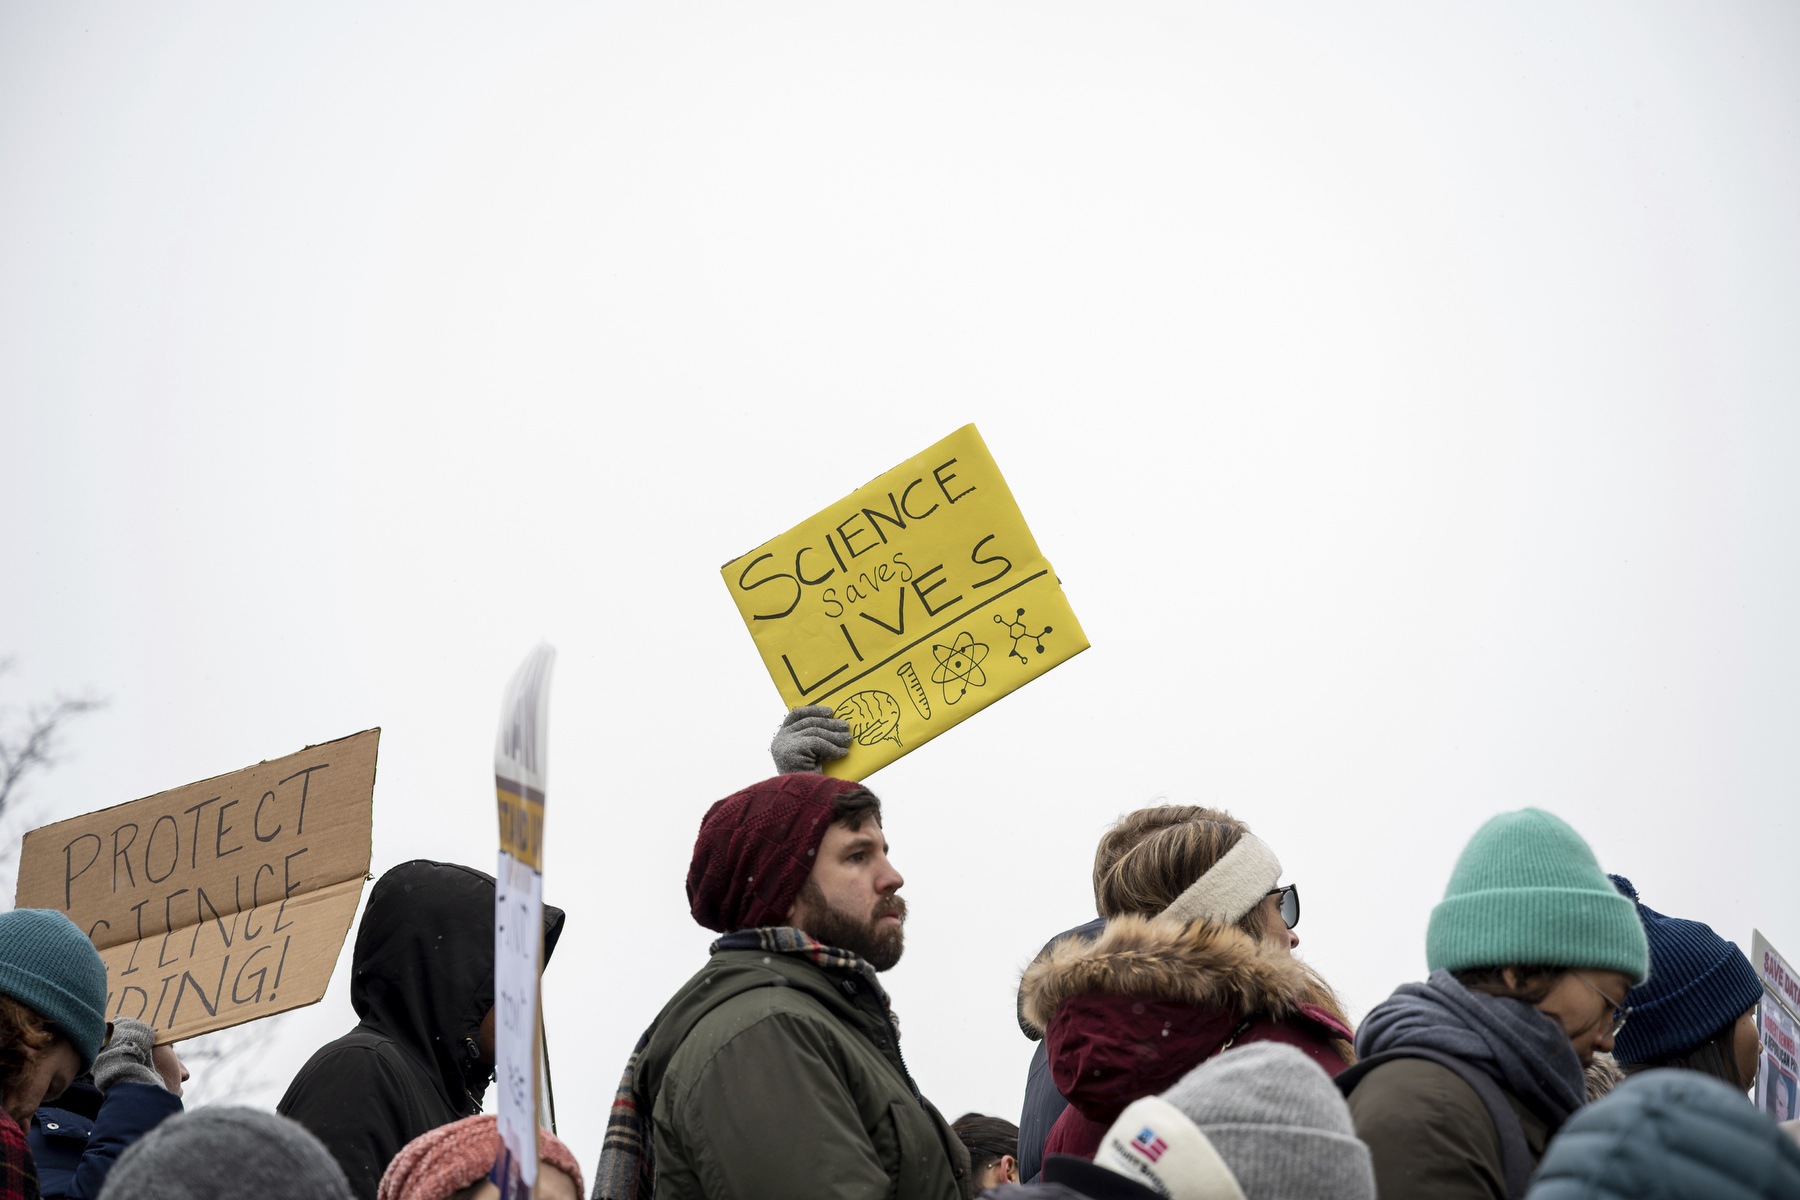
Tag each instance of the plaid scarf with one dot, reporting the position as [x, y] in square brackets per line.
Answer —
[627, 1169]
[18, 1173]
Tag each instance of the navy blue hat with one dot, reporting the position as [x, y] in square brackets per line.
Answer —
[1699, 983]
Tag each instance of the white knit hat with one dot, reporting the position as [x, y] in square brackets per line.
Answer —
[1263, 1122]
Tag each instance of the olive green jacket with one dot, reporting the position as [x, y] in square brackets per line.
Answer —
[1430, 1136]
[770, 1076]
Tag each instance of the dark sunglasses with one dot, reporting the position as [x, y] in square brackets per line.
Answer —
[1290, 904]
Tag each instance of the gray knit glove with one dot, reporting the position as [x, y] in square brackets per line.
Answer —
[808, 738]
[126, 1058]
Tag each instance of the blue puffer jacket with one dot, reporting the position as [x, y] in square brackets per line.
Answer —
[75, 1150]
[1670, 1135]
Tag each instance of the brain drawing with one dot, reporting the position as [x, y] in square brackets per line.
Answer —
[873, 717]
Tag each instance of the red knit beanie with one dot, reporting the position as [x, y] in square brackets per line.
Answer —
[436, 1165]
[756, 849]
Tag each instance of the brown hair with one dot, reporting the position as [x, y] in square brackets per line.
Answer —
[1154, 854]
[853, 809]
[22, 1034]
[1716, 1056]
[988, 1139]
[1535, 981]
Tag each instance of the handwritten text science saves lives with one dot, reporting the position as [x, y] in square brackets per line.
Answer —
[909, 605]
[221, 901]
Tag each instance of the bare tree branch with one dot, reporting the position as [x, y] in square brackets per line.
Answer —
[34, 747]
[226, 1066]
[229, 1066]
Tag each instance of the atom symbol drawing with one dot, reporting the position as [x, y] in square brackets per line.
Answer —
[1019, 632]
[960, 663]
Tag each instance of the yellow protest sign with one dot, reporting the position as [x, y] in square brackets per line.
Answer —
[909, 605]
[221, 901]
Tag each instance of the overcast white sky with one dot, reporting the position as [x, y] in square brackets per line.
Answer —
[1405, 394]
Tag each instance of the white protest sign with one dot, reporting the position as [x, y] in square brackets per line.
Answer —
[1777, 1014]
[519, 775]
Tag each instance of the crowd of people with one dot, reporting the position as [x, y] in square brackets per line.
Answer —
[1568, 1043]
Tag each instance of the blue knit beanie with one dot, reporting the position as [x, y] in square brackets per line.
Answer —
[1699, 984]
[48, 965]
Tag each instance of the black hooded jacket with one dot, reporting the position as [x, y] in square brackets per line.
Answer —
[421, 980]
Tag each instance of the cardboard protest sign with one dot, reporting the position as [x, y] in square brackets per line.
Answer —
[520, 781]
[222, 901]
[1777, 1016]
[909, 605]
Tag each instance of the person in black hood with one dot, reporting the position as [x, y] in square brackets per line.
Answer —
[422, 1052]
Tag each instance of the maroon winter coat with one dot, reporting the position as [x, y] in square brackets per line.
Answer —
[1128, 1014]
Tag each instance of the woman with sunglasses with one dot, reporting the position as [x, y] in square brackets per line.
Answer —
[1464, 1078]
[1195, 958]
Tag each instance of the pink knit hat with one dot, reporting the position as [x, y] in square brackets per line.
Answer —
[435, 1165]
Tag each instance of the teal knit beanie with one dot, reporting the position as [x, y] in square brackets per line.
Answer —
[1527, 890]
[48, 965]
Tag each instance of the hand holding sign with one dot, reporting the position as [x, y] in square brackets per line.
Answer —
[809, 737]
[909, 605]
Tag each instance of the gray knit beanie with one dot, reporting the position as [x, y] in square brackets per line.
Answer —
[1270, 1124]
[227, 1154]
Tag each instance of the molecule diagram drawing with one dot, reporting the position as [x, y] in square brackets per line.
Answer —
[1018, 631]
[959, 663]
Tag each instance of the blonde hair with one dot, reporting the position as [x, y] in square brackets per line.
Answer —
[1154, 854]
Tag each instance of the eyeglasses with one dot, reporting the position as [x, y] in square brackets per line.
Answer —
[1290, 904]
[1620, 1013]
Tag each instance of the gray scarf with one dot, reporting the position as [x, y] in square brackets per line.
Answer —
[1523, 1050]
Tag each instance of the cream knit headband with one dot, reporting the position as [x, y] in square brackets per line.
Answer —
[1235, 885]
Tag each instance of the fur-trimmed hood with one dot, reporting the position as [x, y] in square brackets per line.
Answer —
[1150, 998]
[1195, 963]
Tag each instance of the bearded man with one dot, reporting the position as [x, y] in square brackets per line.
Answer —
[776, 1070]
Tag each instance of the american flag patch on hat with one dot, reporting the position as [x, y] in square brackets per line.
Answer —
[1148, 1144]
